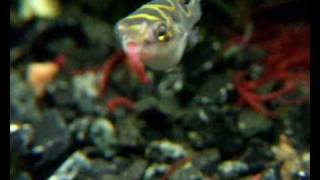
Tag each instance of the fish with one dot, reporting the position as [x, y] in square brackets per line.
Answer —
[157, 33]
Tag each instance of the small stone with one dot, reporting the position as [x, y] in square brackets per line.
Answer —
[135, 170]
[164, 150]
[61, 92]
[302, 175]
[232, 169]
[195, 139]
[85, 93]
[79, 128]
[102, 133]
[252, 123]
[257, 152]
[85, 85]
[167, 105]
[70, 168]
[155, 171]
[271, 174]
[21, 136]
[100, 168]
[289, 157]
[187, 172]
[217, 88]
[52, 137]
[128, 131]
[306, 160]
[207, 160]
[47, 9]
[23, 107]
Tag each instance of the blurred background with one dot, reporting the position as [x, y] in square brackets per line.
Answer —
[235, 107]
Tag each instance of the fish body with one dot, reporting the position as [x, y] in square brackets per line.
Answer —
[157, 33]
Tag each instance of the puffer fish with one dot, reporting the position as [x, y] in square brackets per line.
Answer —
[157, 33]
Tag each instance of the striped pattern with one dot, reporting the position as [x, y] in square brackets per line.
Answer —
[160, 29]
[169, 12]
[157, 10]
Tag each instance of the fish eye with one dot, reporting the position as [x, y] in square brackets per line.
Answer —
[162, 33]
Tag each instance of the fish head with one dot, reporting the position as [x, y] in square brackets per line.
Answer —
[157, 44]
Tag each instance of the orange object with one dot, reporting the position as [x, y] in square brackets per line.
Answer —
[41, 74]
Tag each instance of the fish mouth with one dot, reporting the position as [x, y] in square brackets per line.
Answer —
[136, 58]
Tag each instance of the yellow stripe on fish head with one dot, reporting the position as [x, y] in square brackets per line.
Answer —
[160, 29]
